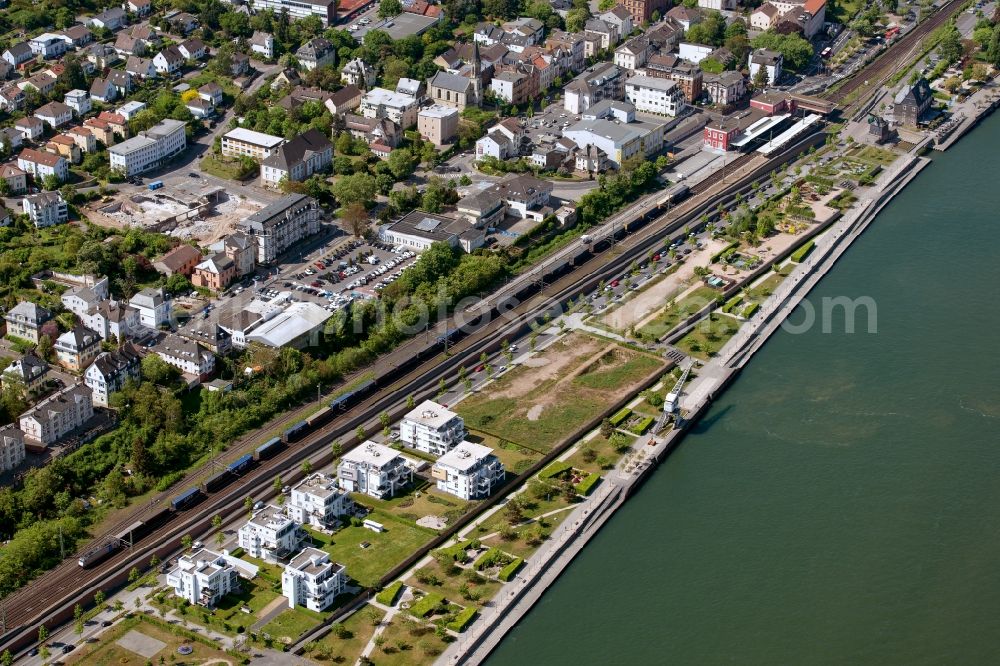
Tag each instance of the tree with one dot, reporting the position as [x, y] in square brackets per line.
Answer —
[133, 574]
[337, 449]
[355, 188]
[389, 8]
[355, 219]
[51, 182]
[607, 429]
[950, 46]
[306, 467]
[796, 51]
[410, 402]
[78, 619]
[99, 598]
[248, 505]
[760, 79]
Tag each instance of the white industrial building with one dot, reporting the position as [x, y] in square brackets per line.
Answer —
[270, 534]
[373, 469]
[149, 149]
[326, 10]
[310, 579]
[432, 428]
[469, 471]
[298, 326]
[318, 502]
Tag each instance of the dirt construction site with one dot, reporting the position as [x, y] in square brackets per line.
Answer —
[184, 208]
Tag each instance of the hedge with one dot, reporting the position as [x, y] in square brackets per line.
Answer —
[728, 248]
[489, 558]
[620, 416]
[457, 551]
[557, 468]
[732, 303]
[750, 309]
[642, 426]
[508, 571]
[389, 594]
[803, 251]
[463, 619]
[427, 605]
[585, 486]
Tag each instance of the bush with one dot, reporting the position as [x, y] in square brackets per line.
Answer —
[803, 251]
[389, 594]
[427, 605]
[732, 303]
[237, 552]
[750, 309]
[555, 470]
[642, 426]
[491, 558]
[585, 486]
[508, 571]
[729, 248]
[463, 619]
[620, 416]
[169, 480]
[457, 552]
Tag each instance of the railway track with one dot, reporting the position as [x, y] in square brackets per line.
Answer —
[853, 94]
[51, 599]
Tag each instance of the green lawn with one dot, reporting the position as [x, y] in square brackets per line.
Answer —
[709, 335]
[215, 166]
[873, 155]
[450, 585]
[408, 642]
[411, 508]
[670, 317]
[107, 652]
[533, 507]
[522, 546]
[766, 287]
[606, 456]
[358, 630]
[292, 623]
[227, 617]
[387, 549]
[515, 458]
[529, 406]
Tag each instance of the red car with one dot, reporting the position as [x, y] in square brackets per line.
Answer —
[614, 283]
[656, 257]
[315, 283]
[479, 368]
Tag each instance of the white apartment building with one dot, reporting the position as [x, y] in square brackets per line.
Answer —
[41, 164]
[153, 306]
[186, 355]
[79, 101]
[310, 579]
[317, 501]
[270, 534]
[601, 81]
[469, 471]
[326, 10]
[57, 415]
[109, 372]
[281, 224]
[242, 142]
[11, 447]
[149, 149]
[662, 97]
[432, 428]
[204, 577]
[397, 107]
[373, 469]
[45, 209]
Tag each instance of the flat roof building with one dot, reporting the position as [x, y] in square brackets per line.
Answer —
[469, 471]
[373, 469]
[432, 428]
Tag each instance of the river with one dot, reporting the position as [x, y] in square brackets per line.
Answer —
[840, 503]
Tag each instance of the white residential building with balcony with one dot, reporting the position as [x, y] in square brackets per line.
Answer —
[204, 577]
[270, 534]
[469, 471]
[432, 428]
[317, 501]
[373, 469]
[659, 96]
[310, 579]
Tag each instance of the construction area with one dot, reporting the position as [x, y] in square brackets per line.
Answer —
[184, 208]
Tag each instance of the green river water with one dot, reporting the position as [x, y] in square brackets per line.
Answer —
[840, 503]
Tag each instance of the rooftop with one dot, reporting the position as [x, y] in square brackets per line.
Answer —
[371, 453]
[465, 456]
[430, 414]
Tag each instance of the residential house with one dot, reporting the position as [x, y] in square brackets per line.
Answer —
[599, 82]
[110, 19]
[605, 36]
[103, 90]
[180, 260]
[686, 16]
[18, 54]
[153, 307]
[632, 54]
[286, 78]
[240, 64]
[193, 49]
[769, 62]
[48, 45]
[122, 81]
[41, 164]
[185, 355]
[101, 56]
[183, 22]
[482, 209]
[310, 152]
[210, 336]
[140, 68]
[311, 580]
[358, 73]
[525, 196]
[11, 98]
[344, 100]
[84, 138]
[43, 82]
[28, 372]
[241, 249]
[78, 101]
[725, 88]
[515, 85]
[619, 18]
[318, 502]
[56, 114]
[373, 130]
[438, 124]
[77, 347]
[25, 320]
[280, 225]
[11, 447]
[30, 127]
[654, 95]
[469, 471]
[204, 577]
[373, 469]
[117, 122]
[215, 272]
[169, 60]
[270, 534]
[432, 428]
[17, 180]
[212, 93]
[57, 416]
[316, 52]
[139, 7]
[110, 370]
[643, 11]
[262, 43]
[912, 102]
[101, 130]
[382, 103]
[77, 36]
[685, 74]
[502, 141]
[764, 17]
[199, 107]
[65, 146]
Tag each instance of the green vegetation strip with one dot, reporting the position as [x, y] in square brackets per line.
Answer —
[463, 619]
[554, 470]
[732, 303]
[585, 486]
[642, 426]
[389, 594]
[803, 251]
[728, 248]
[620, 416]
[427, 605]
[750, 310]
[508, 571]
[457, 551]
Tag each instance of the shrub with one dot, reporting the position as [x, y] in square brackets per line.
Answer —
[750, 309]
[508, 571]
[642, 426]
[427, 605]
[457, 551]
[732, 303]
[463, 619]
[585, 486]
[491, 558]
[389, 594]
[803, 251]
[554, 470]
[729, 248]
[620, 416]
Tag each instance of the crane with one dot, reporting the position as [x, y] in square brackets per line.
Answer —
[672, 404]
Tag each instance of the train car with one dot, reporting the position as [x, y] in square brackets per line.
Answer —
[295, 433]
[213, 483]
[132, 533]
[185, 499]
[344, 401]
[98, 554]
[678, 192]
[240, 465]
[150, 523]
[320, 418]
[268, 449]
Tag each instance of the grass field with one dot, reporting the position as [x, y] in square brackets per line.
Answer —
[521, 546]
[708, 337]
[407, 642]
[358, 630]
[670, 317]
[291, 624]
[540, 403]
[450, 586]
[411, 508]
[387, 549]
[606, 456]
[766, 287]
[215, 166]
[515, 459]
[108, 653]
